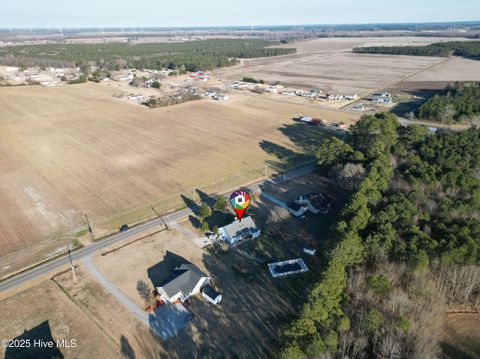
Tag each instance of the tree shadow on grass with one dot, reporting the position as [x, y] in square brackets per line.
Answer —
[220, 219]
[205, 198]
[306, 138]
[189, 203]
[126, 349]
[195, 222]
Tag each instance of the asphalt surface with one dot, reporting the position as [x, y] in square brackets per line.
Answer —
[64, 262]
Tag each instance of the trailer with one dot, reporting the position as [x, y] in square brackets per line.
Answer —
[311, 120]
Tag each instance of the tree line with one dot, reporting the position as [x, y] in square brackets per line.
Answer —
[442, 49]
[191, 56]
[412, 220]
[460, 102]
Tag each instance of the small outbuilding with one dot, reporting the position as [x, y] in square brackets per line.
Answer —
[211, 294]
[309, 250]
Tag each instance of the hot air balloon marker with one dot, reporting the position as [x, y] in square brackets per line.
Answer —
[240, 200]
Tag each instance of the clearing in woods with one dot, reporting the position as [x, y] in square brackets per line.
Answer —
[74, 150]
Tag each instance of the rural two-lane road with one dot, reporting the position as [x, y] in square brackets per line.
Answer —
[88, 250]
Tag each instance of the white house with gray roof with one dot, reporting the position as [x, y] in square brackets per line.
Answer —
[187, 280]
[238, 231]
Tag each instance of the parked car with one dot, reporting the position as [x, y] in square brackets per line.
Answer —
[124, 228]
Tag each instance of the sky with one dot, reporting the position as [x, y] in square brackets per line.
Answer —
[161, 13]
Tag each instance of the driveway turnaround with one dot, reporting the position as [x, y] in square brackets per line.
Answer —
[165, 322]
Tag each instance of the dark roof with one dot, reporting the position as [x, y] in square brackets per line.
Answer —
[294, 206]
[209, 291]
[317, 199]
[184, 279]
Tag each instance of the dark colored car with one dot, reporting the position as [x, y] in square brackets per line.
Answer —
[124, 228]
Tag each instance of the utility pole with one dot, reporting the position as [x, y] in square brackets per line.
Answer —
[90, 228]
[71, 263]
[161, 218]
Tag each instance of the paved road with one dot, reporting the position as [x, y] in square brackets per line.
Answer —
[63, 262]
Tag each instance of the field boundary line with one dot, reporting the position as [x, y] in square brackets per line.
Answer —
[43, 261]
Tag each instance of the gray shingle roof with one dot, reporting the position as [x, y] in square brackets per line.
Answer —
[185, 278]
[245, 226]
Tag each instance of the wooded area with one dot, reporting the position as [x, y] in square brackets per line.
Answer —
[190, 56]
[442, 49]
[458, 103]
[408, 236]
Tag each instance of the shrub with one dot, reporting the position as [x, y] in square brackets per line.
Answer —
[373, 320]
[204, 211]
[205, 227]
[220, 204]
[380, 284]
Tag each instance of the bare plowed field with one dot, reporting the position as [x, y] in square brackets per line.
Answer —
[75, 150]
[329, 64]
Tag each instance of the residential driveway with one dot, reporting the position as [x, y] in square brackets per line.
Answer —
[201, 242]
[167, 320]
[273, 199]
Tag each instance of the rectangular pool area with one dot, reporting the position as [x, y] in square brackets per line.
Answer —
[288, 267]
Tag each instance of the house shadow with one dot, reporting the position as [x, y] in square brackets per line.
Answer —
[162, 272]
[40, 333]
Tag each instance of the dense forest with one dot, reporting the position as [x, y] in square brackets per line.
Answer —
[443, 49]
[407, 244]
[458, 103]
[192, 56]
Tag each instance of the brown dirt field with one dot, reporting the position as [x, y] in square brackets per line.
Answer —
[141, 255]
[72, 150]
[328, 64]
[461, 336]
[456, 69]
[47, 303]
[110, 316]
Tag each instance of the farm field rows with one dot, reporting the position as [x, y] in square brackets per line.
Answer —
[74, 150]
[329, 64]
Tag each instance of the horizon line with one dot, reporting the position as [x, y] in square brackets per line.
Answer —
[11, 28]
